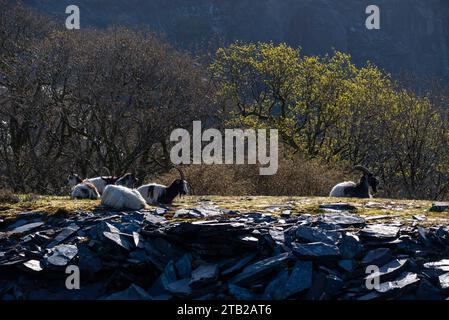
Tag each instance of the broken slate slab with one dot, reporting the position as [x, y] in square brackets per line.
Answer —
[350, 246]
[62, 254]
[237, 265]
[275, 290]
[342, 206]
[388, 270]
[118, 239]
[342, 219]
[442, 265]
[33, 265]
[444, 281]
[240, 293]
[300, 279]
[64, 234]
[183, 266]
[404, 280]
[378, 256]
[380, 232]
[260, 269]
[314, 234]
[204, 275]
[26, 228]
[440, 207]
[316, 250]
[134, 292]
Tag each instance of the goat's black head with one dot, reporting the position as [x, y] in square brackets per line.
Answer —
[129, 180]
[180, 186]
[109, 180]
[368, 177]
[73, 179]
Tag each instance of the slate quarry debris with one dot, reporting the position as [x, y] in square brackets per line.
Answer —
[212, 254]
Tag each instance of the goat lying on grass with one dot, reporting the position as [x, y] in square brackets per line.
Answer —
[350, 189]
[122, 198]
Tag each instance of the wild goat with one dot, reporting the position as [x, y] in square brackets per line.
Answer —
[351, 189]
[128, 180]
[85, 190]
[122, 198]
[160, 194]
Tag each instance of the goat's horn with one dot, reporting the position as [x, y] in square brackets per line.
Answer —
[362, 168]
[108, 172]
[180, 173]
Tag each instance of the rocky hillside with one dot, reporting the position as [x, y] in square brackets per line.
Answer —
[414, 35]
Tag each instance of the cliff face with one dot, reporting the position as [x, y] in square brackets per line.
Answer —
[414, 34]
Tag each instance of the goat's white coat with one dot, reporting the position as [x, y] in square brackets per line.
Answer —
[119, 197]
[158, 191]
[338, 190]
[83, 191]
[99, 183]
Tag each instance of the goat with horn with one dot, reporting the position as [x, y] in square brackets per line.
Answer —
[350, 189]
[159, 194]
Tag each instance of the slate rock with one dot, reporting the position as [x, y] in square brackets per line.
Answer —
[442, 265]
[388, 270]
[440, 207]
[444, 281]
[378, 256]
[26, 228]
[183, 266]
[134, 292]
[89, 262]
[33, 265]
[350, 246]
[240, 293]
[347, 265]
[316, 250]
[260, 269]
[62, 254]
[276, 289]
[314, 234]
[300, 278]
[404, 280]
[238, 264]
[63, 235]
[380, 231]
[204, 275]
[180, 288]
[338, 206]
[119, 239]
[342, 219]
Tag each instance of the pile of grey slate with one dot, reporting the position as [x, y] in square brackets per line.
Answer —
[221, 254]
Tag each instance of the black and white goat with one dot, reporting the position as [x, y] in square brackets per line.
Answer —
[85, 190]
[159, 194]
[128, 180]
[350, 189]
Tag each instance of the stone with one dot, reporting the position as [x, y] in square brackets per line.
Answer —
[342, 206]
[444, 281]
[204, 275]
[30, 215]
[300, 278]
[154, 219]
[240, 293]
[63, 235]
[347, 265]
[439, 207]
[260, 269]
[404, 280]
[33, 265]
[388, 270]
[276, 289]
[118, 239]
[183, 266]
[380, 232]
[134, 292]
[180, 288]
[377, 256]
[88, 261]
[316, 250]
[342, 219]
[62, 254]
[239, 264]
[350, 246]
[314, 234]
[442, 265]
[26, 228]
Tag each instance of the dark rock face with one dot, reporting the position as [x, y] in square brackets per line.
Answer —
[143, 256]
[413, 35]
